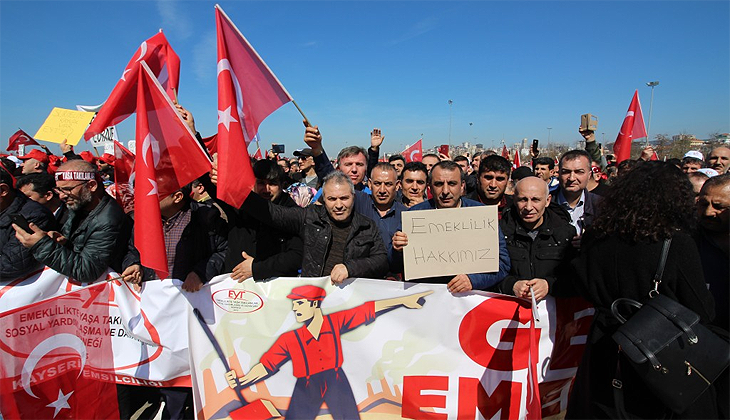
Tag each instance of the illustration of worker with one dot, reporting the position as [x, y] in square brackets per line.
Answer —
[315, 350]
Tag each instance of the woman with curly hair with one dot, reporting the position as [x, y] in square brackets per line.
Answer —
[619, 257]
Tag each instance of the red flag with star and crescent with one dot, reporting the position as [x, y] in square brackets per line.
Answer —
[123, 177]
[165, 64]
[56, 358]
[415, 152]
[505, 152]
[168, 157]
[632, 128]
[248, 92]
[516, 162]
[20, 137]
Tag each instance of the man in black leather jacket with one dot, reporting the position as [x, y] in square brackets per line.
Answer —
[337, 241]
[538, 235]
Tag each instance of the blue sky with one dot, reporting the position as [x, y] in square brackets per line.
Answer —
[511, 68]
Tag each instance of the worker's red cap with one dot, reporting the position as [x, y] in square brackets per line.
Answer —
[87, 156]
[107, 158]
[307, 293]
[35, 154]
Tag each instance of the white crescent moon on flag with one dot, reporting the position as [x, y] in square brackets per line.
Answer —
[23, 136]
[223, 65]
[124, 75]
[151, 142]
[630, 114]
[142, 53]
[411, 155]
[45, 347]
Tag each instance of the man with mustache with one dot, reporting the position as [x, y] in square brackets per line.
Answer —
[719, 159]
[447, 186]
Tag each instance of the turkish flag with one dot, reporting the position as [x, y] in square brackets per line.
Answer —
[258, 155]
[56, 358]
[632, 128]
[20, 137]
[415, 152]
[124, 176]
[211, 143]
[169, 157]
[505, 152]
[248, 92]
[516, 162]
[3, 168]
[165, 65]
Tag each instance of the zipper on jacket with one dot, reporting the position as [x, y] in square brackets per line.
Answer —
[691, 369]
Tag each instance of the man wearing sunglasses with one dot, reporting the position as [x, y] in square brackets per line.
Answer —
[97, 231]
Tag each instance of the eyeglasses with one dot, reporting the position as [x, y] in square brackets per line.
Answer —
[68, 190]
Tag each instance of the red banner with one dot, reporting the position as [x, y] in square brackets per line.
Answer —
[57, 360]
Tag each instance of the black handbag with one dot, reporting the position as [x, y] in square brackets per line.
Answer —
[677, 357]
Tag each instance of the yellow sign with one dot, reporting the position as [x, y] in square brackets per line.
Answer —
[64, 124]
[448, 242]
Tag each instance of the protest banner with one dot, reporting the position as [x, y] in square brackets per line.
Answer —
[148, 340]
[107, 137]
[451, 241]
[444, 357]
[57, 358]
[64, 124]
[430, 356]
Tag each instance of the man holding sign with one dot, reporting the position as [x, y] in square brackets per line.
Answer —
[447, 187]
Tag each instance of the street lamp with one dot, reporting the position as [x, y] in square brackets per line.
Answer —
[450, 102]
[651, 106]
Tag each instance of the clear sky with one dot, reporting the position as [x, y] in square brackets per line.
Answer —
[513, 69]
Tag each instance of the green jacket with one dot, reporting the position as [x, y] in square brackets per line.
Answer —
[94, 243]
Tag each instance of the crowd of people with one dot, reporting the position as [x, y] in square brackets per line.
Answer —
[581, 226]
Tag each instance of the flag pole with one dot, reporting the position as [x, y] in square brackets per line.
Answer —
[306, 121]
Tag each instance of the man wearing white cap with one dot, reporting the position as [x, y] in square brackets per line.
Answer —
[692, 161]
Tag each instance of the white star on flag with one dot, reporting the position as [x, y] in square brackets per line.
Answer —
[225, 118]
[60, 403]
